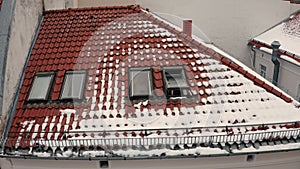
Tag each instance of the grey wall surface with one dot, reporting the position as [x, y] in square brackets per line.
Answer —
[290, 160]
[228, 24]
[90, 3]
[6, 16]
[289, 73]
[20, 24]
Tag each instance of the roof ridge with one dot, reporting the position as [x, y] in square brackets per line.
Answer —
[278, 23]
[134, 7]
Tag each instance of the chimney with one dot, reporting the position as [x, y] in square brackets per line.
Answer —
[275, 47]
[187, 27]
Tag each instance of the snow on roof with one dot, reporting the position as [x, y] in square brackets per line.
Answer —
[287, 33]
[227, 103]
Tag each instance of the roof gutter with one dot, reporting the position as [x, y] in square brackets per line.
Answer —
[114, 158]
[275, 47]
[13, 109]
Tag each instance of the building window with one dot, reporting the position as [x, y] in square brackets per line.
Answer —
[175, 82]
[73, 85]
[140, 82]
[263, 70]
[104, 164]
[250, 157]
[41, 86]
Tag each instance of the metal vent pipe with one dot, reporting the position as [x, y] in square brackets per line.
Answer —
[275, 56]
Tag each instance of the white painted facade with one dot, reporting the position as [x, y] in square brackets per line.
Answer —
[228, 24]
[90, 3]
[64, 4]
[280, 160]
[289, 72]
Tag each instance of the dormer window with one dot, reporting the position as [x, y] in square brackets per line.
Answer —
[175, 82]
[140, 83]
[73, 85]
[41, 86]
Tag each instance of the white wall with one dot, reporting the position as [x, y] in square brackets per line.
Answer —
[289, 73]
[228, 23]
[89, 3]
[25, 20]
[54, 4]
[60, 4]
[64, 4]
[290, 160]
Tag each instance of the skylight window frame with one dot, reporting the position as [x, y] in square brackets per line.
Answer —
[178, 88]
[82, 88]
[133, 96]
[49, 89]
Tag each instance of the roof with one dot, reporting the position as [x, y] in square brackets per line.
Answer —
[229, 100]
[294, 1]
[287, 33]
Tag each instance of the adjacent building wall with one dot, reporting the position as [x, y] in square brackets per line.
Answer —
[90, 3]
[290, 160]
[64, 4]
[5, 19]
[228, 24]
[60, 4]
[289, 73]
[25, 19]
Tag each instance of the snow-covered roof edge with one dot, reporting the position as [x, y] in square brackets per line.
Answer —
[258, 43]
[282, 21]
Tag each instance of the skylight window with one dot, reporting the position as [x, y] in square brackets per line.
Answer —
[140, 82]
[73, 85]
[41, 86]
[175, 82]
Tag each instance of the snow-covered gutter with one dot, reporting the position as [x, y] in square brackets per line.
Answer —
[103, 158]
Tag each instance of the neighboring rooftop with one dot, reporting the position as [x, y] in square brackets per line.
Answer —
[193, 94]
[294, 1]
[287, 33]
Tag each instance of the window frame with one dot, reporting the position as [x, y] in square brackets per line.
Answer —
[49, 89]
[167, 88]
[133, 96]
[71, 72]
[262, 70]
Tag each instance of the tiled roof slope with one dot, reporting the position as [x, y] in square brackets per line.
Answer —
[106, 42]
[287, 33]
